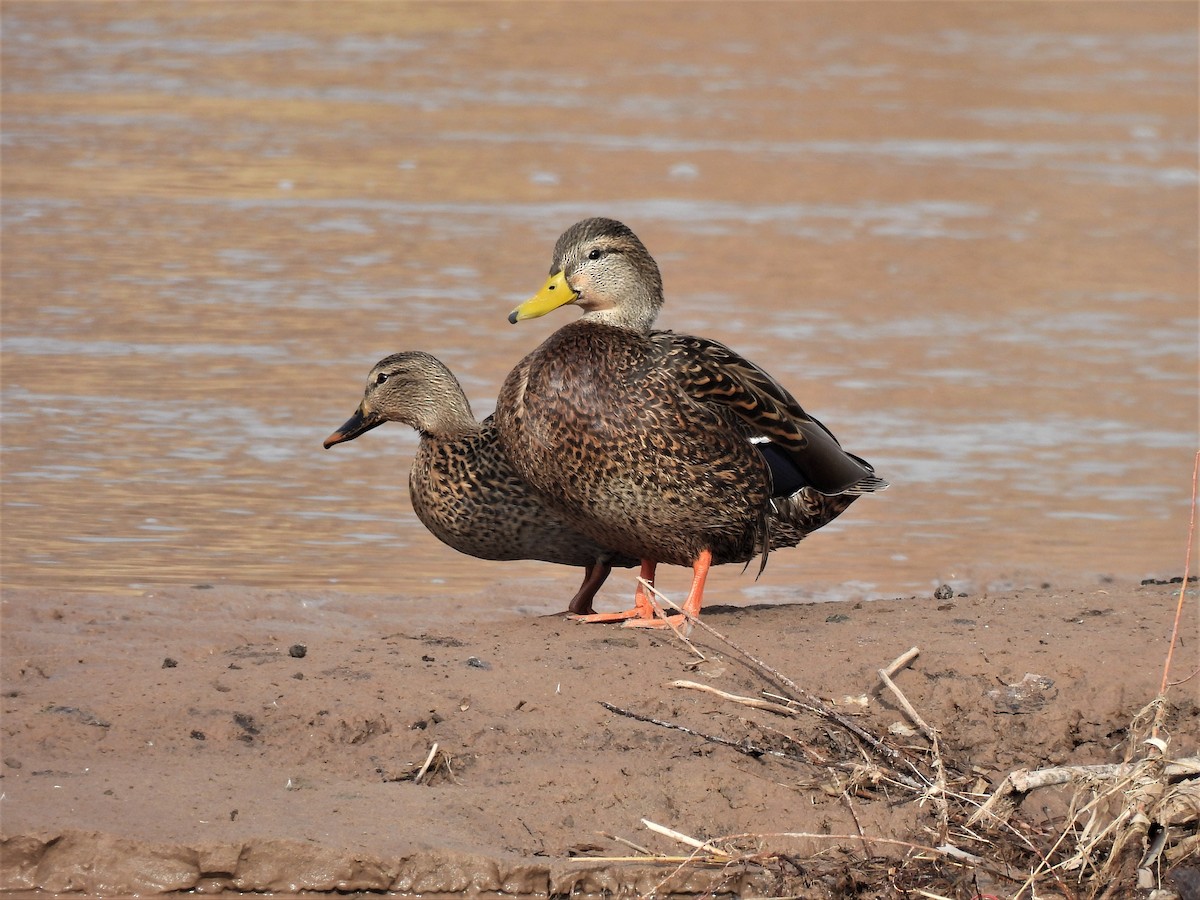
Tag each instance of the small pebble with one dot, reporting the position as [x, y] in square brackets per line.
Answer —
[297, 650]
[476, 663]
[945, 592]
[169, 663]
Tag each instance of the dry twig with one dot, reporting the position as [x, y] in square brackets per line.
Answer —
[703, 846]
[885, 676]
[809, 703]
[740, 746]
[755, 702]
[1123, 820]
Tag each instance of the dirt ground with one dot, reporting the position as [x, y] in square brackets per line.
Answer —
[248, 740]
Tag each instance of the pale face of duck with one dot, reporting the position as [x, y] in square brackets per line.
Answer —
[601, 267]
[414, 388]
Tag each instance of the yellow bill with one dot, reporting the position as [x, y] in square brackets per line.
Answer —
[554, 293]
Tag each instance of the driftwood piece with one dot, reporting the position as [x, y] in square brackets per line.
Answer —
[1019, 783]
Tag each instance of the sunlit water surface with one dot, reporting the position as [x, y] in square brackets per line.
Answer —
[964, 236]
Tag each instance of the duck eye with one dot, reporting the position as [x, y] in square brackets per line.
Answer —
[381, 377]
[595, 254]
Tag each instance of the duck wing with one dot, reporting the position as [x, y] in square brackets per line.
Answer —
[711, 373]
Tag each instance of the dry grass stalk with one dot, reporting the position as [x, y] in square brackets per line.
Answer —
[628, 843]
[913, 715]
[809, 703]
[703, 853]
[1124, 819]
[707, 847]
[1155, 797]
[743, 746]
[437, 762]
[755, 702]
[902, 661]
[936, 791]
[428, 761]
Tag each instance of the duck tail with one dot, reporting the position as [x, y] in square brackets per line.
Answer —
[868, 484]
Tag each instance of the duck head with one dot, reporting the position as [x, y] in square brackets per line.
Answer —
[414, 388]
[600, 266]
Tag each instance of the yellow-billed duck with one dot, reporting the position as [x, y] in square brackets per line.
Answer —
[661, 446]
[462, 486]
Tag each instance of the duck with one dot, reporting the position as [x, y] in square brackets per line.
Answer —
[462, 487]
[661, 446]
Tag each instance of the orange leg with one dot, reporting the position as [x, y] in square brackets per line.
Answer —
[641, 603]
[691, 606]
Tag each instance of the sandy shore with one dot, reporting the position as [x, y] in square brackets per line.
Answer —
[265, 741]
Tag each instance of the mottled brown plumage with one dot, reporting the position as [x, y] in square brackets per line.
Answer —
[668, 447]
[462, 486]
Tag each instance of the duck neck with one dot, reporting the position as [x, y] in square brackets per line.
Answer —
[635, 312]
[449, 417]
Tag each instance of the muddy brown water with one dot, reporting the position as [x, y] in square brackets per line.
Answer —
[964, 235]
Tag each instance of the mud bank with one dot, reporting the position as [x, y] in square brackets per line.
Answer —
[267, 741]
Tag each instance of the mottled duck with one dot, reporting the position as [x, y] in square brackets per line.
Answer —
[462, 486]
[664, 447]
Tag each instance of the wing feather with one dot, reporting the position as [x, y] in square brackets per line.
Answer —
[711, 373]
